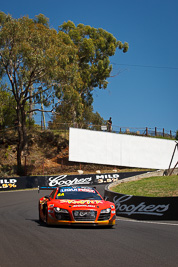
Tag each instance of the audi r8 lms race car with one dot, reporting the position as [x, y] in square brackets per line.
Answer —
[76, 205]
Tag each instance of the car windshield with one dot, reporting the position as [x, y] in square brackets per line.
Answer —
[77, 193]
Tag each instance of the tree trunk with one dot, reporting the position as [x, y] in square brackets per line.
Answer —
[30, 108]
[22, 138]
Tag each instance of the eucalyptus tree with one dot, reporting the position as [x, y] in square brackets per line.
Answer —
[7, 107]
[35, 58]
[94, 49]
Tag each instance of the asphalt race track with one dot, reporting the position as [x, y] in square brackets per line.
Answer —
[24, 242]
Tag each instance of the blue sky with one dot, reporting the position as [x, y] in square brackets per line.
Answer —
[145, 93]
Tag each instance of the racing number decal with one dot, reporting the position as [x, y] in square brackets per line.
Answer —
[60, 195]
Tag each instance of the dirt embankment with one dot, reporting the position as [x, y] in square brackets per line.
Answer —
[47, 153]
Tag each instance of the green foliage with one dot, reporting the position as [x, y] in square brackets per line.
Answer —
[35, 59]
[42, 64]
[94, 47]
[7, 152]
[63, 117]
[7, 108]
[92, 119]
[41, 19]
[34, 55]
[6, 171]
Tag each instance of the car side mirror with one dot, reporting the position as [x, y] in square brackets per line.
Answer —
[48, 197]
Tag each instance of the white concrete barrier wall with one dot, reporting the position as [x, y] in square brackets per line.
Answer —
[120, 149]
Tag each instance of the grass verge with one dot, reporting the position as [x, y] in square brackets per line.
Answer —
[160, 186]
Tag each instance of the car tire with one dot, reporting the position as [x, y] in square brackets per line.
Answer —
[40, 220]
[110, 226]
[46, 215]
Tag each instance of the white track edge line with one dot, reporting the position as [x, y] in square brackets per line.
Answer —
[148, 222]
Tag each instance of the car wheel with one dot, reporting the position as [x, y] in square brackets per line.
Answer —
[40, 220]
[46, 215]
[110, 226]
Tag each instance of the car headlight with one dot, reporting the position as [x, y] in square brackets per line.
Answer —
[59, 210]
[106, 211]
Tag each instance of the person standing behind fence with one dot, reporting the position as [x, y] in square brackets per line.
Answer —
[110, 124]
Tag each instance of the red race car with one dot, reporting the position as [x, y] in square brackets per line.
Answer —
[76, 205]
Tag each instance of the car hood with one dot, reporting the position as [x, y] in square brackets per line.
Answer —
[87, 203]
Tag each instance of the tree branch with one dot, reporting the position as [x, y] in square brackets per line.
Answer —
[37, 109]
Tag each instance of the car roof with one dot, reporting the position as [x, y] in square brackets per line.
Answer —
[73, 186]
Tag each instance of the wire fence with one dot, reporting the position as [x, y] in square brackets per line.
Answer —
[142, 131]
[63, 129]
[145, 131]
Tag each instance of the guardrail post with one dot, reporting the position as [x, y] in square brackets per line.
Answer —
[146, 131]
[155, 131]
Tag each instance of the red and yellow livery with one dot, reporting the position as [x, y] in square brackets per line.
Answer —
[76, 205]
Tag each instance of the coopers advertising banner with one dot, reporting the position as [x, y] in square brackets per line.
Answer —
[61, 180]
[144, 208]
